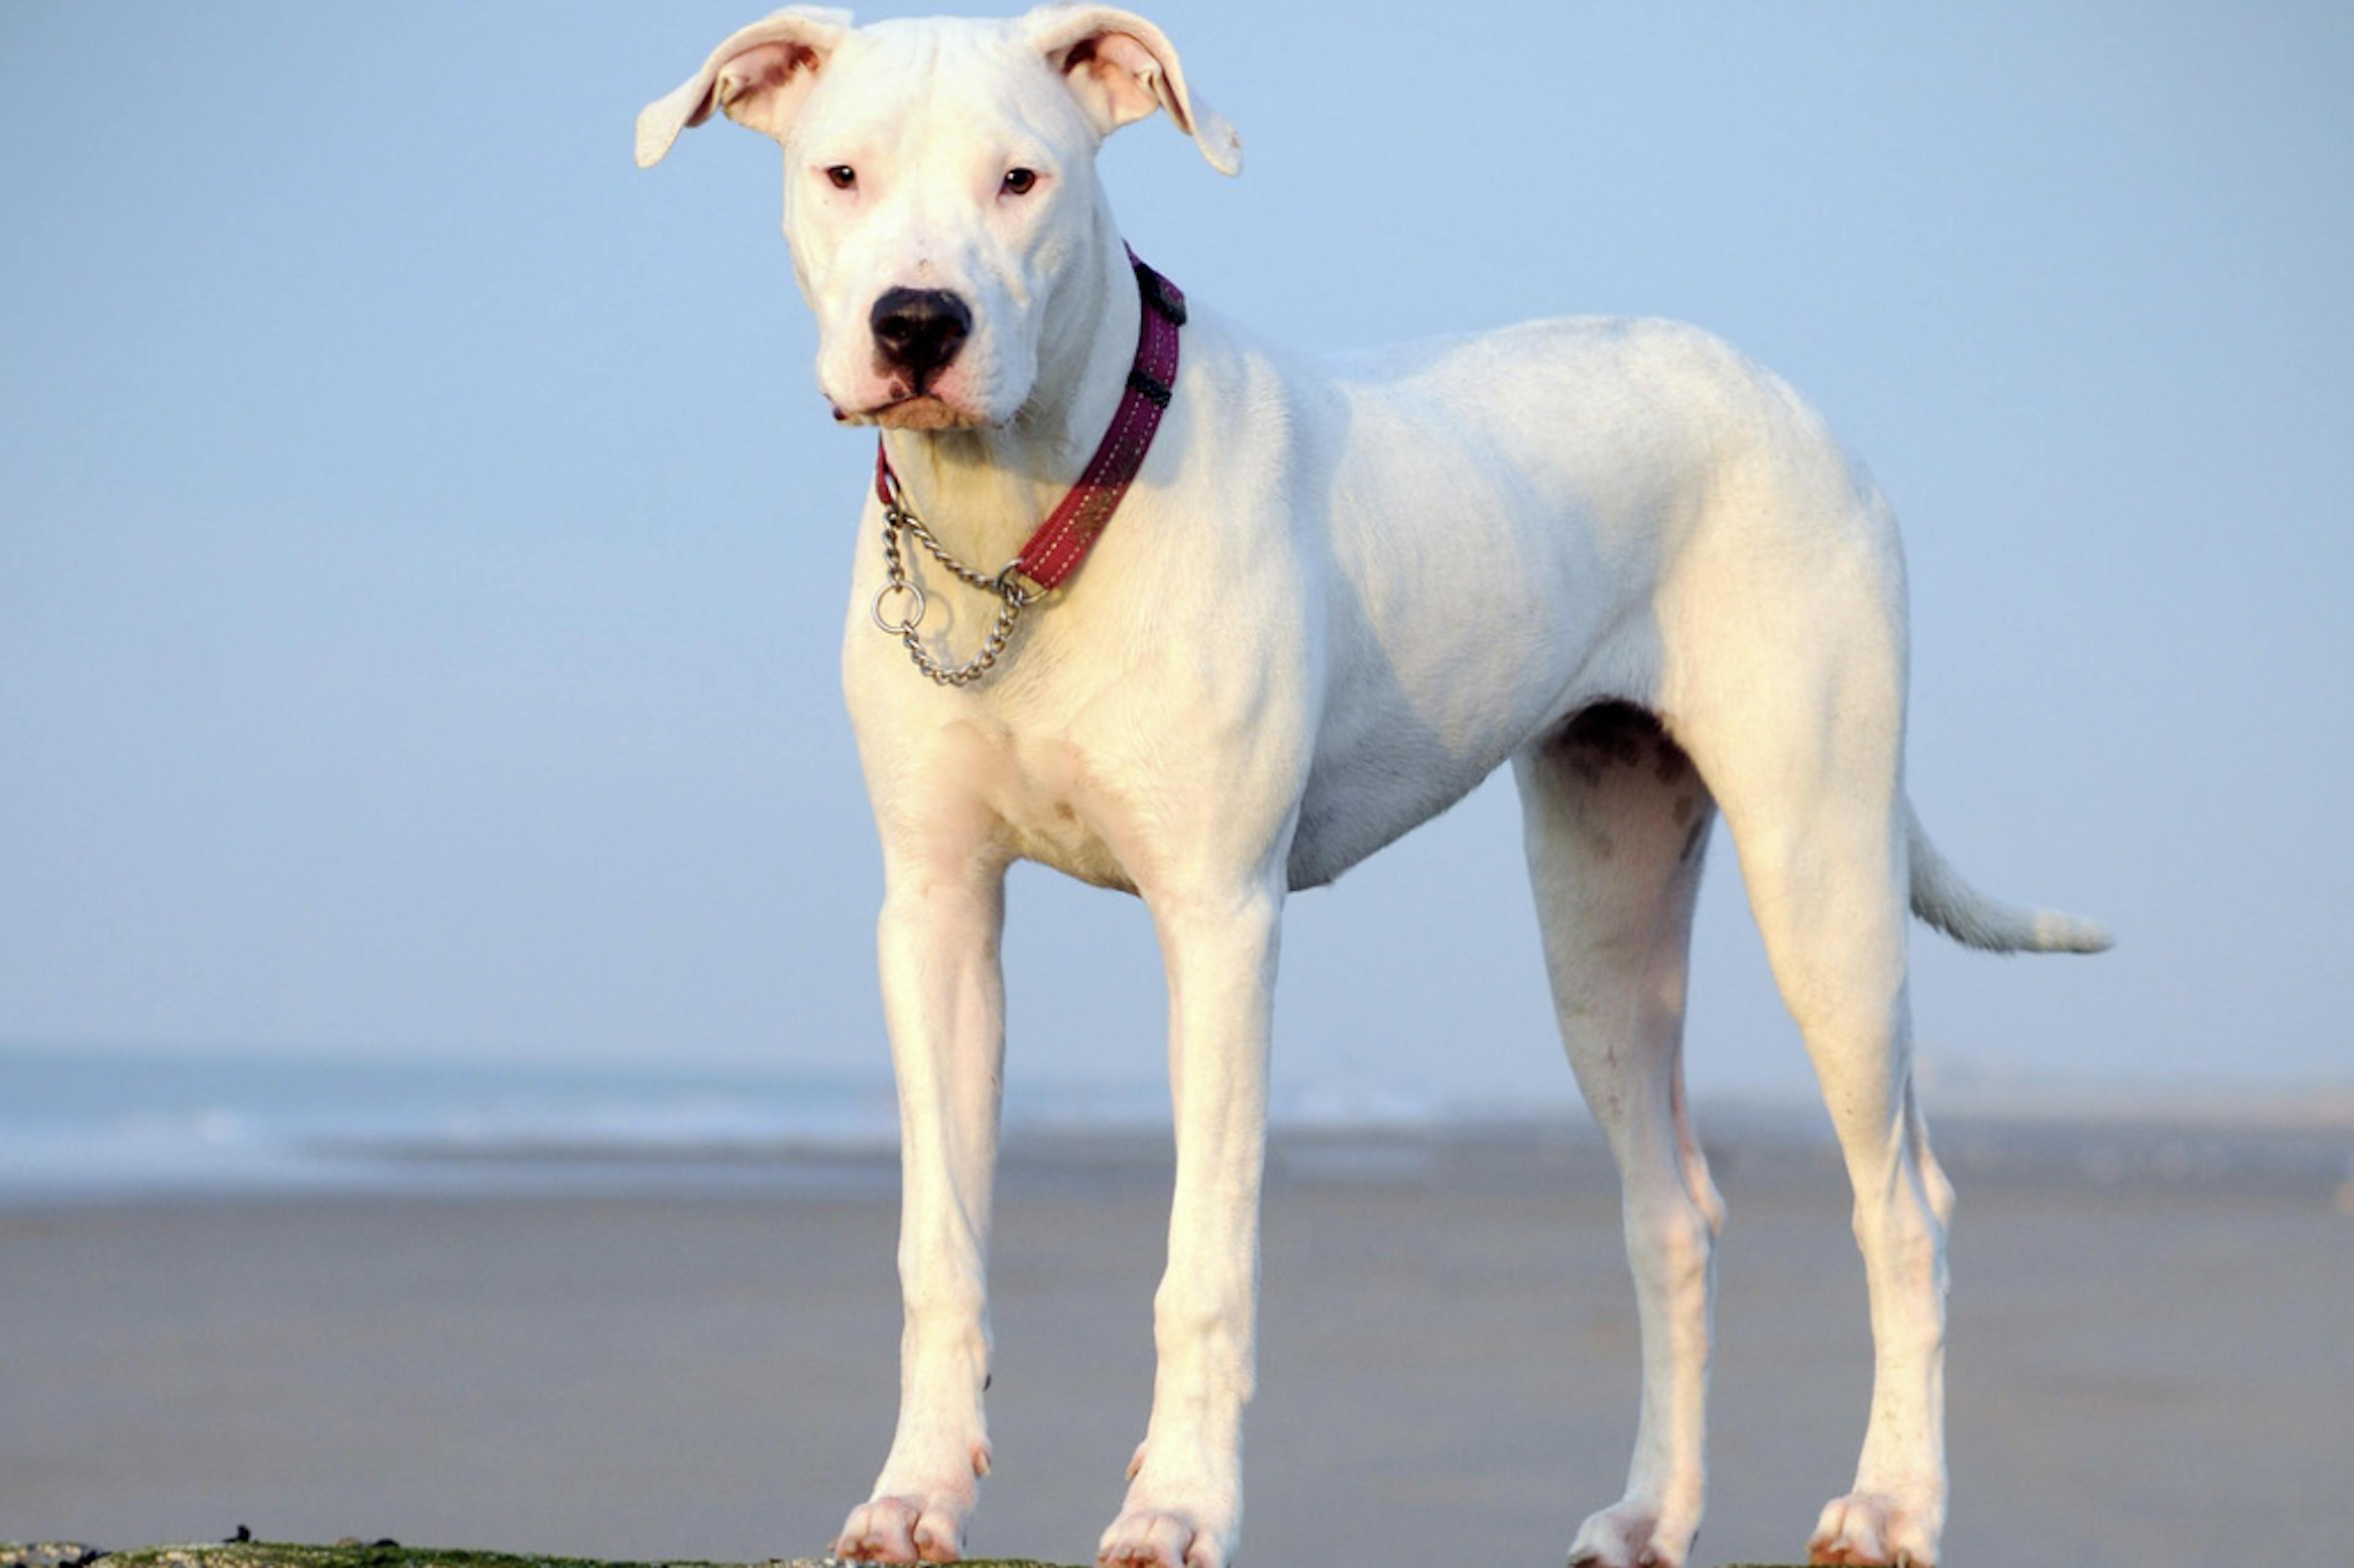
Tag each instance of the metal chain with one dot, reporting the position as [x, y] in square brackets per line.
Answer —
[1013, 598]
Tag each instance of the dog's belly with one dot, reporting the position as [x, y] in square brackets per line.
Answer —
[1367, 792]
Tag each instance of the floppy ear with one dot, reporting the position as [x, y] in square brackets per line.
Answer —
[757, 77]
[1121, 68]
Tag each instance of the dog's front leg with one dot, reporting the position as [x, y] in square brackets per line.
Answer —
[944, 1004]
[1184, 1500]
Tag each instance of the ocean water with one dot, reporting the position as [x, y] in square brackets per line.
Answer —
[78, 1124]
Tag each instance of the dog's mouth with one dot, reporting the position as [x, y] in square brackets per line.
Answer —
[923, 411]
[918, 411]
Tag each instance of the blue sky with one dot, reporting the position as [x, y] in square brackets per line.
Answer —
[423, 549]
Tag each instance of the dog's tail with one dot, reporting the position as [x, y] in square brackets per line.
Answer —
[1941, 897]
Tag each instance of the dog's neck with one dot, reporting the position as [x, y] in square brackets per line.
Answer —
[983, 492]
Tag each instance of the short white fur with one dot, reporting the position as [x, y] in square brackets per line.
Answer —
[1614, 554]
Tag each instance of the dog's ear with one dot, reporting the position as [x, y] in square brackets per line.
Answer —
[1121, 68]
[757, 77]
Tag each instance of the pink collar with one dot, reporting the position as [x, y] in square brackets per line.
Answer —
[1062, 541]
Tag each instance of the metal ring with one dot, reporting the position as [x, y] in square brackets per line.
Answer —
[1009, 585]
[912, 621]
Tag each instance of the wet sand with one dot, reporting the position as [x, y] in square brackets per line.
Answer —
[2150, 1357]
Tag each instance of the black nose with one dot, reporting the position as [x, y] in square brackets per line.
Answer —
[920, 330]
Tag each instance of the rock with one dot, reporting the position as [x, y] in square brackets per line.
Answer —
[47, 1554]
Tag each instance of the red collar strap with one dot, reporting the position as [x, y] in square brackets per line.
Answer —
[1062, 541]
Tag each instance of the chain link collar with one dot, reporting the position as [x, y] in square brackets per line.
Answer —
[1013, 597]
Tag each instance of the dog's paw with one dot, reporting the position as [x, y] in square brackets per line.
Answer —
[904, 1529]
[1878, 1529]
[1148, 1538]
[911, 1519]
[1631, 1535]
[1184, 1505]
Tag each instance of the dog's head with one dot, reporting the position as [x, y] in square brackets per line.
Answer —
[939, 184]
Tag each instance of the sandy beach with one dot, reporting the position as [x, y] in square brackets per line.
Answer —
[2150, 1362]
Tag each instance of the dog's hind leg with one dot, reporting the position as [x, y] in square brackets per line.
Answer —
[1809, 781]
[1616, 821]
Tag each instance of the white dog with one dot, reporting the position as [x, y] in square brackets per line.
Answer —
[1335, 598]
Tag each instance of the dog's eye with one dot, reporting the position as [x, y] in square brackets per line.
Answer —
[1018, 182]
[842, 176]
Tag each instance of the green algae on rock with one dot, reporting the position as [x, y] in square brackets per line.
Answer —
[295, 1554]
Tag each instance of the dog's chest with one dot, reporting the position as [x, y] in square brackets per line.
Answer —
[1051, 801]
